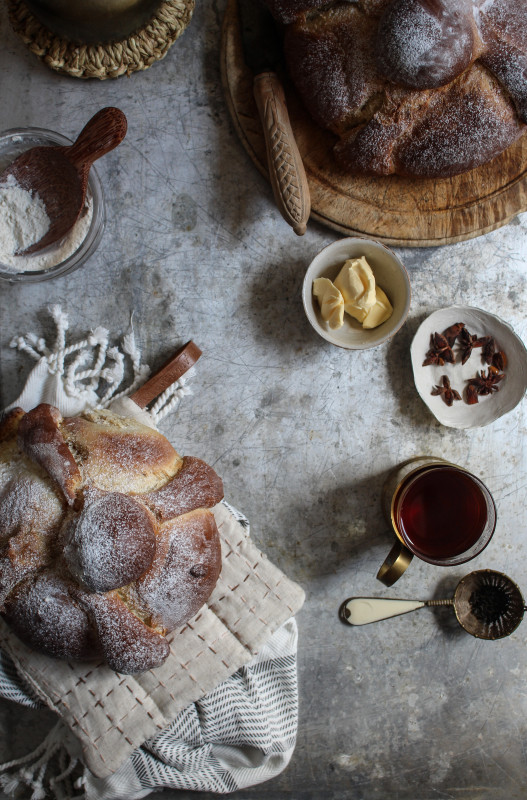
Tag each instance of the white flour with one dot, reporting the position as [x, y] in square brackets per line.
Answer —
[23, 218]
[23, 221]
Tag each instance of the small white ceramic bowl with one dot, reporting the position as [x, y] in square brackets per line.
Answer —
[389, 274]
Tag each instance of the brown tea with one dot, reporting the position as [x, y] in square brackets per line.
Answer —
[441, 513]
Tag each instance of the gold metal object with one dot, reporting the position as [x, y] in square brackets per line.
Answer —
[399, 557]
[496, 585]
[93, 21]
[487, 604]
[401, 553]
[395, 563]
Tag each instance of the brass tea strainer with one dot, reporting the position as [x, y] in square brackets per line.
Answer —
[487, 604]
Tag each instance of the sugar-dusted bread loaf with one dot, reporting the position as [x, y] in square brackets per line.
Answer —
[426, 88]
[107, 542]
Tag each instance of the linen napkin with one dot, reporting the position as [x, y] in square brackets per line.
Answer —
[181, 724]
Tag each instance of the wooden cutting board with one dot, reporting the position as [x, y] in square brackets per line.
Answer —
[409, 212]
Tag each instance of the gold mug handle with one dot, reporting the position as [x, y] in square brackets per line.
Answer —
[395, 563]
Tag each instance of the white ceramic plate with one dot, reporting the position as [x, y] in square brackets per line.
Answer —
[490, 407]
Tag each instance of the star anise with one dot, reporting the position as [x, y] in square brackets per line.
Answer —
[496, 359]
[489, 346]
[447, 394]
[452, 333]
[482, 385]
[440, 351]
[499, 361]
[468, 342]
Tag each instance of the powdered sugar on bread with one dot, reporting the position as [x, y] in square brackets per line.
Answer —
[184, 571]
[63, 557]
[423, 45]
[379, 73]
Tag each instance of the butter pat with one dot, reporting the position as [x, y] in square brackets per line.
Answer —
[378, 313]
[355, 293]
[356, 283]
[330, 301]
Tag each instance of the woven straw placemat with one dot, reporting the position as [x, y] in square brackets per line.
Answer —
[138, 51]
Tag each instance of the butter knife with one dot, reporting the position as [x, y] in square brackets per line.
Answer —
[262, 52]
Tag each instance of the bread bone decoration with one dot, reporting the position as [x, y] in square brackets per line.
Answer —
[106, 538]
[426, 88]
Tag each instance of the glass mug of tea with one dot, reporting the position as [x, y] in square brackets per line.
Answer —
[440, 513]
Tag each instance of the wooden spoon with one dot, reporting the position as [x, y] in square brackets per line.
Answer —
[59, 175]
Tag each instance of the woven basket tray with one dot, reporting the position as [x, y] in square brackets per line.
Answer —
[136, 52]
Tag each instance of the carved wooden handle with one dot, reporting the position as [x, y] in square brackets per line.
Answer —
[102, 133]
[286, 170]
[171, 371]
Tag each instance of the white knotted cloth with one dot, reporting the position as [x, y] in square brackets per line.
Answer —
[240, 733]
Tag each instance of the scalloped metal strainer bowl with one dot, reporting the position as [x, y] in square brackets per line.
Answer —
[487, 604]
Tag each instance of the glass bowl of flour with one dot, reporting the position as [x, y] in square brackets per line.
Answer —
[23, 218]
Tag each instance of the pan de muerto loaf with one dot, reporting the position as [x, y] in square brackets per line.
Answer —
[428, 88]
[106, 538]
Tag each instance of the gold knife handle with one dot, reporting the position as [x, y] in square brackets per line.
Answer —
[286, 170]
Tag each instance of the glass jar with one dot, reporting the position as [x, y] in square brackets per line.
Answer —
[70, 253]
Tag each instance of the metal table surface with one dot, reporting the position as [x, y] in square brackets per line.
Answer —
[302, 433]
